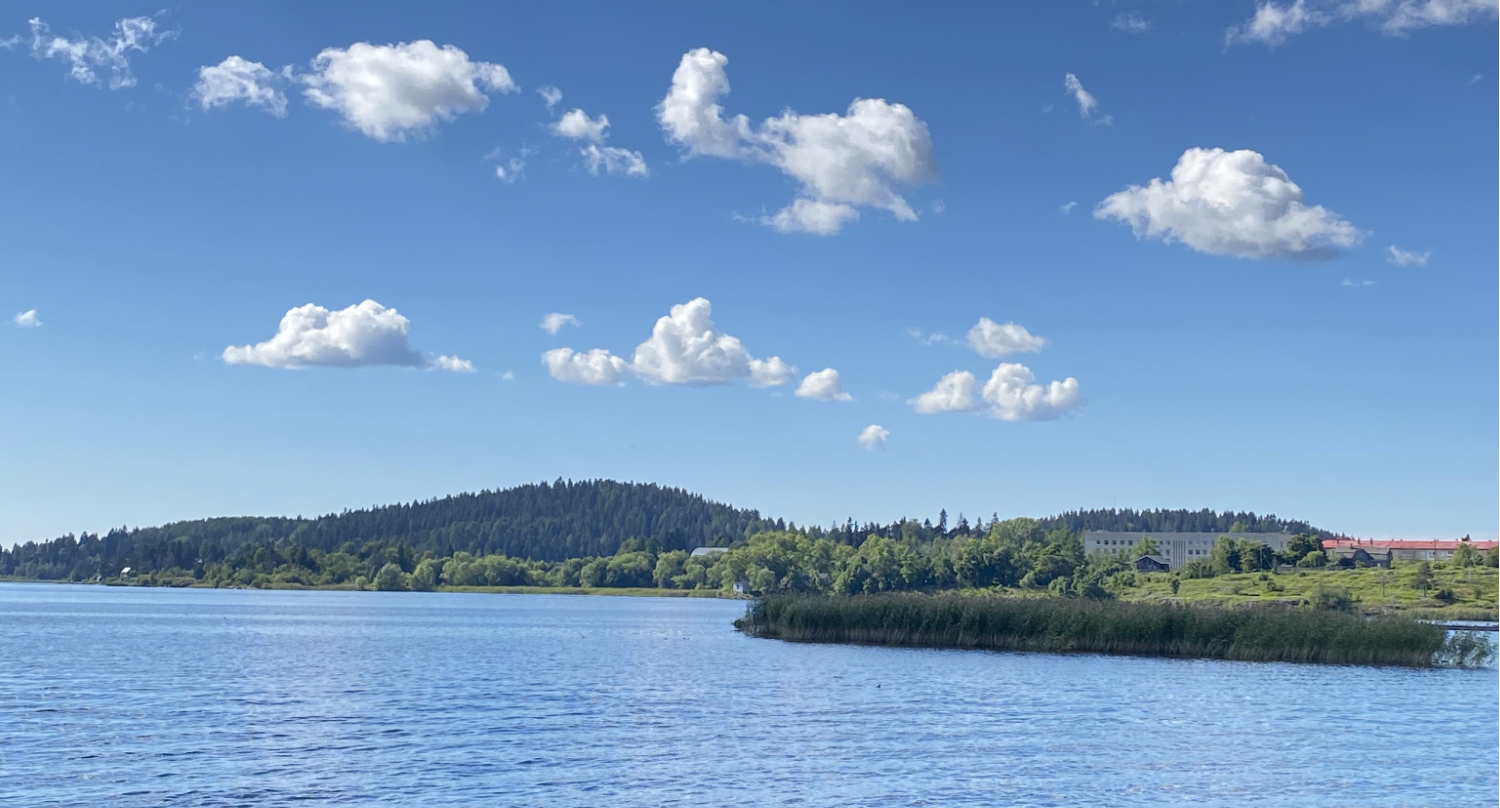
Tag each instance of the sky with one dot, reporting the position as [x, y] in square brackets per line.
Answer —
[824, 260]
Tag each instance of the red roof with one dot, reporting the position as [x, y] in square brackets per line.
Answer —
[1404, 544]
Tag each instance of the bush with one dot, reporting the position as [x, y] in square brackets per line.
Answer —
[1330, 599]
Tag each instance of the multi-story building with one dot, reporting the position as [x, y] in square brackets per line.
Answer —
[1404, 550]
[1176, 549]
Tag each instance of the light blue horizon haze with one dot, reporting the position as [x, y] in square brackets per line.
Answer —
[148, 234]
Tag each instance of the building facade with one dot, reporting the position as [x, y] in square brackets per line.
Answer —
[1176, 549]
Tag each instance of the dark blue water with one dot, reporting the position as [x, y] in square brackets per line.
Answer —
[146, 697]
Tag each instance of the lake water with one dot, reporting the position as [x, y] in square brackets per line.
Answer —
[151, 697]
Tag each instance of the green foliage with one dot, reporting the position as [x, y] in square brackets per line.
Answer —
[1063, 624]
[1332, 599]
[390, 579]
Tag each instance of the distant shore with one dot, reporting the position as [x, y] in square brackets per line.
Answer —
[607, 591]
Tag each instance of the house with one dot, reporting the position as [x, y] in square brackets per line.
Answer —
[1407, 550]
[1149, 563]
[700, 552]
[742, 587]
[1360, 556]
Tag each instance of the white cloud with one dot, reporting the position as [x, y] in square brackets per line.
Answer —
[841, 161]
[597, 157]
[391, 91]
[576, 124]
[27, 319]
[935, 338]
[823, 385]
[1011, 394]
[1086, 101]
[1067, 208]
[770, 372]
[359, 336]
[612, 161]
[953, 393]
[237, 79]
[510, 170]
[873, 437]
[686, 348]
[1357, 284]
[550, 95]
[85, 56]
[1131, 23]
[508, 376]
[811, 216]
[452, 364]
[598, 366]
[992, 340]
[555, 322]
[1230, 203]
[1406, 258]
[1272, 24]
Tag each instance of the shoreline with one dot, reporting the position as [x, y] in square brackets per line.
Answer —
[596, 591]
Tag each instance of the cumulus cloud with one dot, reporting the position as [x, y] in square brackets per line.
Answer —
[873, 437]
[597, 157]
[576, 124]
[613, 161]
[550, 95]
[597, 367]
[1011, 394]
[842, 162]
[953, 393]
[824, 385]
[993, 340]
[935, 338]
[87, 56]
[391, 91]
[237, 79]
[27, 319]
[555, 322]
[359, 336]
[1130, 22]
[1231, 203]
[1273, 23]
[1086, 101]
[685, 348]
[452, 364]
[1066, 208]
[1406, 258]
[811, 216]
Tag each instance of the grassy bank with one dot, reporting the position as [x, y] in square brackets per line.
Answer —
[1467, 593]
[1075, 625]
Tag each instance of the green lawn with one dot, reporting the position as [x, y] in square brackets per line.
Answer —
[1474, 589]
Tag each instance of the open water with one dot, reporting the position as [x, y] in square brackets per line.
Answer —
[160, 697]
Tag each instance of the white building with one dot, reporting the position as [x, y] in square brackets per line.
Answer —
[1176, 549]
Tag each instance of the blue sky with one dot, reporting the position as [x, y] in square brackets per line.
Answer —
[1238, 335]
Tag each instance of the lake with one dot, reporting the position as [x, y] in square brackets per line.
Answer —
[189, 697]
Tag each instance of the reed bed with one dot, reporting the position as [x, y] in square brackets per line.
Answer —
[1107, 627]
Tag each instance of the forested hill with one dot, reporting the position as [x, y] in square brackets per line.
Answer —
[548, 522]
[542, 522]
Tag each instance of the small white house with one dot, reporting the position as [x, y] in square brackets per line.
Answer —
[742, 587]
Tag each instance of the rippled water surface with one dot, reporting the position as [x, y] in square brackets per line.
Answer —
[146, 697]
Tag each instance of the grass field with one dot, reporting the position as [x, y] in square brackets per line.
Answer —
[1374, 590]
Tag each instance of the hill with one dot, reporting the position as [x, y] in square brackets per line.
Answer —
[546, 522]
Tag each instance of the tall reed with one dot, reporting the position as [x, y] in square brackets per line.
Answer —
[1109, 627]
